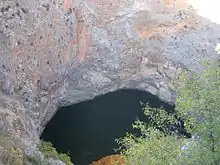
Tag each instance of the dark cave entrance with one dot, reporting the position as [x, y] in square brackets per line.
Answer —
[88, 130]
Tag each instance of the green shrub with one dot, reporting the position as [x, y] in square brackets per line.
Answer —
[49, 151]
[198, 103]
[154, 145]
[65, 158]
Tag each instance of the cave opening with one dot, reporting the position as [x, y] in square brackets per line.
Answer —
[87, 130]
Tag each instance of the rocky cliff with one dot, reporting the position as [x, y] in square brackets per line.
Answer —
[53, 54]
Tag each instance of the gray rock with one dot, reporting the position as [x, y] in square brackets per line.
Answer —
[143, 86]
[152, 90]
[55, 162]
[165, 94]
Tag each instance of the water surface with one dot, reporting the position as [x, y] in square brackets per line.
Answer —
[88, 130]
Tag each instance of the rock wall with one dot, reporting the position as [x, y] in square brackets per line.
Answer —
[54, 54]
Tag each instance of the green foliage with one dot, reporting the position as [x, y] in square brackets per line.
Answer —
[33, 160]
[49, 151]
[154, 145]
[158, 118]
[65, 158]
[199, 100]
[198, 103]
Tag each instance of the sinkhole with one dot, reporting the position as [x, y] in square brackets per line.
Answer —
[87, 130]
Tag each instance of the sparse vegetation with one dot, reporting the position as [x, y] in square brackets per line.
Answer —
[49, 151]
[198, 103]
[9, 153]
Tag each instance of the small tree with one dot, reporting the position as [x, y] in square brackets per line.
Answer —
[156, 145]
[198, 104]
[199, 100]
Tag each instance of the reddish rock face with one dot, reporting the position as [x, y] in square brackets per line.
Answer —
[111, 160]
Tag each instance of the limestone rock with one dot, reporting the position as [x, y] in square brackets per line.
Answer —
[165, 94]
[152, 90]
[50, 57]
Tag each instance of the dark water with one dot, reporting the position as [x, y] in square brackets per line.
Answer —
[88, 130]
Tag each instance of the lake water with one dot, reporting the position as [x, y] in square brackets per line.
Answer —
[88, 130]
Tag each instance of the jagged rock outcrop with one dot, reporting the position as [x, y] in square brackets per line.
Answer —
[52, 57]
